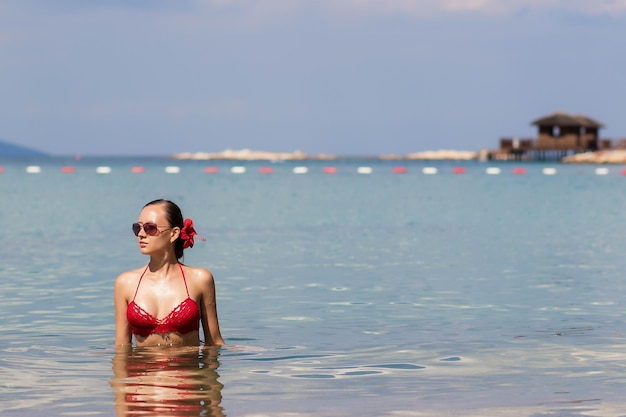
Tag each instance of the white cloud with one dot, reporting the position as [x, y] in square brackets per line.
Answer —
[423, 7]
[493, 6]
[264, 10]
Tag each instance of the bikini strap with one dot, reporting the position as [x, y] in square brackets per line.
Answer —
[139, 283]
[184, 279]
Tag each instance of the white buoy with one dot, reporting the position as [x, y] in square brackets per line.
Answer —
[238, 170]
[33, 169]
[493, 171]
[300, 170]
[172, 170]
[364, 170]
[549, 171]
[103, 170]
[429, 170]
[602, 171]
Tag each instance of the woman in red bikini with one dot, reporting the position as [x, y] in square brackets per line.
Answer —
[163, 303]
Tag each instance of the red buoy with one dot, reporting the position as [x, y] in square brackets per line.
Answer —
[137, 170]
[458, 170]
[399, 170]
[265, 170]
[68, 169]
[330, 170]
[519, 171]
[211, 170]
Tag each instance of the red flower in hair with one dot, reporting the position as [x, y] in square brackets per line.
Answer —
[187, 233]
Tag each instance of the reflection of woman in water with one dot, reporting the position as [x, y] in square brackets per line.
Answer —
[164, 302]
[167, 382]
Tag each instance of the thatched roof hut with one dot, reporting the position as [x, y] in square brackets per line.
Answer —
[561, 119]
[558, 134]
[566, 132]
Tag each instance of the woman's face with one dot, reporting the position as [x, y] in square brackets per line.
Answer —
[165, 235]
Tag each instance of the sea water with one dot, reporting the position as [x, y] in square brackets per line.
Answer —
[464, 289]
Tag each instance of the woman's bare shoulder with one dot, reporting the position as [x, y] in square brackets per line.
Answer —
[199, 276]
[129, 277]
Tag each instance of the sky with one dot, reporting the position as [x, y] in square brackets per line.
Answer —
[343, 77]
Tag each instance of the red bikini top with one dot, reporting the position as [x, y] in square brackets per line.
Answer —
[182, 319]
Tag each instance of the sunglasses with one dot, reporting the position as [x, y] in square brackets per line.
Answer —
[151, 229]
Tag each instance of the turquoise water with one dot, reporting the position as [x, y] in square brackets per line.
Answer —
[346, 294]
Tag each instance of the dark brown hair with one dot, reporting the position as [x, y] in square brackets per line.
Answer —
[175, 219]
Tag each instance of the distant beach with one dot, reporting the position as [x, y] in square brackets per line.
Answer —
[611, 156]
[251, 155]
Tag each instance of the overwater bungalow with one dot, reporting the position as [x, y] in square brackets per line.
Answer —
[558, 134]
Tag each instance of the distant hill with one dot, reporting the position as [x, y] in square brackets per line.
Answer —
[11, 150]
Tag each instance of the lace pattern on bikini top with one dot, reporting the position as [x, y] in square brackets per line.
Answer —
[183, 319]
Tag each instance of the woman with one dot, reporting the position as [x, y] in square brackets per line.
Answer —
[163, 302]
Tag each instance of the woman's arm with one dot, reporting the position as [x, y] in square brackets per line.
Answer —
[210, 323]
[123, 335]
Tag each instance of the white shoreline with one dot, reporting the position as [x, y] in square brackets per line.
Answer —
[613, 156]
[250, 155]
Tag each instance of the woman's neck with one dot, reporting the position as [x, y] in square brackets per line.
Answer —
[163, 265]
